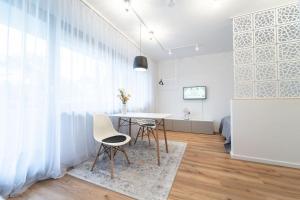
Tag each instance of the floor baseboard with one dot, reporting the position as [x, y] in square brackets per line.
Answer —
[265, 161]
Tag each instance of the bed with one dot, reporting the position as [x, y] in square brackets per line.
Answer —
[225, 130]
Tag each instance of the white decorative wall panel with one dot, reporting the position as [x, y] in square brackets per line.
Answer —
[244, 89]
[288, 14]
[242, 23]
[266, 71]
[264, 19]
[267, 53]
[264, 36]
[244, 73]
[289, 32]
[243, 56]
[290, 88]
[243, 40]
[266, 89]
[289, 51]
[289, 70]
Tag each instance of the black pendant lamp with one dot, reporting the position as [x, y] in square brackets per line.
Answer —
[140, 62]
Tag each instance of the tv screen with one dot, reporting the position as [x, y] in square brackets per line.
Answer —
[194, 93]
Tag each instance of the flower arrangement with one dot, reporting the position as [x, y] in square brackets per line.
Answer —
[123, 96]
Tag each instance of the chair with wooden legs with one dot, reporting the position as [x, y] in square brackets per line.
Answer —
[111, 140]
[147, 127]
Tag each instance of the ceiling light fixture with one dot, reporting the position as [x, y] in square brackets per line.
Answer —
[140, 62]
[171, 3]
[151, 33]
[163, 48]
[197, 47]
[127, 5]
[216, 4]
[161, 82]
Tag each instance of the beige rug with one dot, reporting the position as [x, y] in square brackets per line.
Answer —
[143, 179]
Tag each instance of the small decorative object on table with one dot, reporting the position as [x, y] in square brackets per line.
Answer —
[187, 113]
[124, 97]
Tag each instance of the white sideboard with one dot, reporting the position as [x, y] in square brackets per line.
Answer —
[191, 125]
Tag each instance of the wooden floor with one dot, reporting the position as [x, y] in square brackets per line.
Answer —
[206, 172]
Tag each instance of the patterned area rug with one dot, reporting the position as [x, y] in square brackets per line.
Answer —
[143, 179]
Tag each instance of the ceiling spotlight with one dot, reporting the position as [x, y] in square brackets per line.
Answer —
[151, 34]
[197, 47]
[127, 5]
[171, 3]
[170, 52]
[216, 4]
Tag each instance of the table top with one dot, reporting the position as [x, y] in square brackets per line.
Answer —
[142, 115]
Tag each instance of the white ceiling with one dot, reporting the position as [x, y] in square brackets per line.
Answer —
[207, 22]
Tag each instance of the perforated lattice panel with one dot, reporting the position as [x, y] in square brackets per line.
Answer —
[264, 36]
[264, 19]
[289, 51]
[266, 71]
[242, 23]
[289, 32]
[243, 57]
[288, 14]
[267, 53]
[243, 40]
[244, 73]
[289, 88]
[289, 70]
[266, 89]
[244, 89]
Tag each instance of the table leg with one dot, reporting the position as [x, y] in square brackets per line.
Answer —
[111, 162]
[165, 135]
[129, 130]
[119, 124]
[157, 143]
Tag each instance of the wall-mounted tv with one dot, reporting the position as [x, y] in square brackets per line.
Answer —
[194, 93]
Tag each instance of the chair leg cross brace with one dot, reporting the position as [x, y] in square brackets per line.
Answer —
[159, 123]
[111, 152]
[145, 131]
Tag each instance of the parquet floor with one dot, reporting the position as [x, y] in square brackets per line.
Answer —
[206, 172]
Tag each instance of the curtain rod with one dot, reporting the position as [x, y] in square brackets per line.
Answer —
[88, 5]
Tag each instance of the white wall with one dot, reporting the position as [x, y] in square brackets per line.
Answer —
[214, 71]
[266, 131]
[265, 127]
[153, 69]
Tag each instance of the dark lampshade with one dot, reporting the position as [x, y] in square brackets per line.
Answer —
[140, 63]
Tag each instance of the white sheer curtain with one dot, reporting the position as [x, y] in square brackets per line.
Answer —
[59, 63]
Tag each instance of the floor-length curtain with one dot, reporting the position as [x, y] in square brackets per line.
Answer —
[59, 63]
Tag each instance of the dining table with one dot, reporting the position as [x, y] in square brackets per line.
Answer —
[128, 119]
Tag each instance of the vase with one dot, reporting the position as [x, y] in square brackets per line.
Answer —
[124, 108]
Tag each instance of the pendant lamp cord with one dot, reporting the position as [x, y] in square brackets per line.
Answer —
[140, 39]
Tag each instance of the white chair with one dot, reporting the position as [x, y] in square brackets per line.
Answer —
[110, 139]
[147, 126]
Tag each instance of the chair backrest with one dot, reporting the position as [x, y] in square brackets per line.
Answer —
[103, 127]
